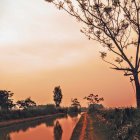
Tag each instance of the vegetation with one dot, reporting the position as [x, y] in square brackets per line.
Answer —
[75, 107]
[115, 24]
[93, 99]
[109, 124]
[30, 112]
[25, 104]
[123, 123]
[57, 96]
[77, 130]
[26, 108]
[6, 101]
[93, 102]
[75, 103]
[73, 110]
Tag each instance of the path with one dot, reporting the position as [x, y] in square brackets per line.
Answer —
[87, 129]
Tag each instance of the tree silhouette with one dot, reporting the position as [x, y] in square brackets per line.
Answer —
[6, 101]
[75, 103]
[25, 104]
[116, 25]
[57, 96]
[93, 99]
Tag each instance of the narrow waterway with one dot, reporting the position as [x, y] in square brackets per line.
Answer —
[45, 129]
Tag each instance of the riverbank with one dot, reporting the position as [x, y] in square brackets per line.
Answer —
[17, 121]
[84, 129]
[111, 124]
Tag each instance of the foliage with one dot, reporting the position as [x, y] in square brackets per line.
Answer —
[75, 107]
[116, 25]
[6, 101]
[75, 103]
[73, 111]
[57, 96]
[25, 104]
[121, 123]
[94, 107]
[93, 99]
[30, 112]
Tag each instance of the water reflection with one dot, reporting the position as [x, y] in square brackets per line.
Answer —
[49, 122]
[58, 131]
[34, 130]
[73, 115]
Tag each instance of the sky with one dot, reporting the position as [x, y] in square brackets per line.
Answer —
[41, 47]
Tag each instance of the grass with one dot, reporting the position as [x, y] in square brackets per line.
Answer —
[77, 130]
[31, 112]
[117, 124]
[109, 124]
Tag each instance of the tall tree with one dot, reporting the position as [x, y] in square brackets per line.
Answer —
[27, 103]
[57, 96]
[6, 101]
[116, 25]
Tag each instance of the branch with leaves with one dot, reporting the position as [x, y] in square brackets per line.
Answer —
[115, 24]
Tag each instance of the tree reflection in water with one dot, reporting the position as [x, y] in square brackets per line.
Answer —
[49, 122]
[58, 131]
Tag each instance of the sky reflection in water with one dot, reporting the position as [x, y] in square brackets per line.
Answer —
[40, 129]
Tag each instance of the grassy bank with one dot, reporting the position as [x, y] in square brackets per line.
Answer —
[117, 124]
[31, 112]
[110, 124]
[77, 130]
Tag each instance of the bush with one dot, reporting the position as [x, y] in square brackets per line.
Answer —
[73, 109]
[94, 107]
[121, 123]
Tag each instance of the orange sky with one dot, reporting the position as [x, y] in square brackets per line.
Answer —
[42, 47]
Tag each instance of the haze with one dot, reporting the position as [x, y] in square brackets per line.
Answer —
[42, 47]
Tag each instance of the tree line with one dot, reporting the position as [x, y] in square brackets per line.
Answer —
[7, 103]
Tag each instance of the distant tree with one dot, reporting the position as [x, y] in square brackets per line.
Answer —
[93, 99]
[25, 104]
[57, 96]
[75, 103]
[115, 24]
[75, 107]
[6, 101]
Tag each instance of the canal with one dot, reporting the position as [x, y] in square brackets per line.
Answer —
[53, 128]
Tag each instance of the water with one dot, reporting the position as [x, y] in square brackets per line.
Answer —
[45, 129]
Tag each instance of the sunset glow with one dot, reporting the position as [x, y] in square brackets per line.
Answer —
[42, 47]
